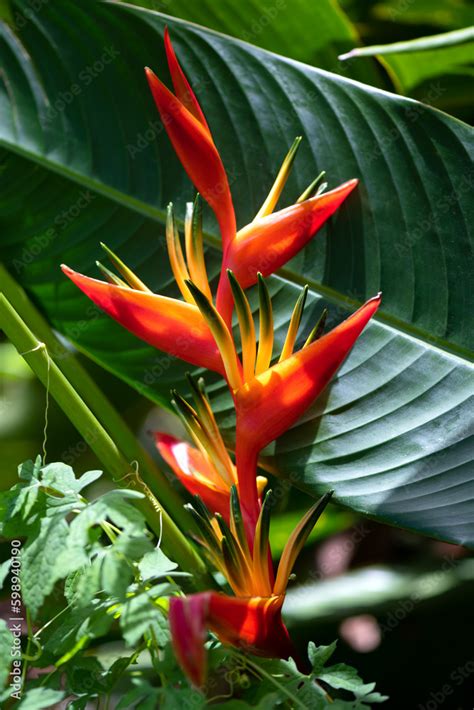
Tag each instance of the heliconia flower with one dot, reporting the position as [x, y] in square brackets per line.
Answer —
[271, 239]
[252, 619]
[206, 469]
[189, 133]
[269, 399]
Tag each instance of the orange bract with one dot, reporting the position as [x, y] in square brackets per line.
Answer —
[166, 323]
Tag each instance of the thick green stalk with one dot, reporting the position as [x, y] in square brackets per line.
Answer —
[95, 399]
[115, 464]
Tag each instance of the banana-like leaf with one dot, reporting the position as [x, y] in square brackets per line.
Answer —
[281, 27]
[86, 160]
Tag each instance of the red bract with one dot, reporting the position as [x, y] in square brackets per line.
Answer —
[188, 630]
[251, 620]
[269, 242]
[195, 471]
[253, 624]
[269, 399]
[191, 138]
[270, 403]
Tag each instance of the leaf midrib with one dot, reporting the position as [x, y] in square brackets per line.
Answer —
[159, 215]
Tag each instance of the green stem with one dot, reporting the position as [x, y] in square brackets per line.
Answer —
[95, 399]
[36, 355]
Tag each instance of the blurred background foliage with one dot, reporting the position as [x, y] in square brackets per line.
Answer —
[401, 604]
[317, 32]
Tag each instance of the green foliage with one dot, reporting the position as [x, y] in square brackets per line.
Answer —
[91, 578]
[6, 640]
[38, 698]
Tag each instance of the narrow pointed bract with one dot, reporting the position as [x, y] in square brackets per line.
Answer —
[195, 472]
[181, 85]
[198, 154]
[269, 242]
[165, 323]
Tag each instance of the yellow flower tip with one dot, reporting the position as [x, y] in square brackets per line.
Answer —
[280, 181]
[312, 188]
[246, 325]
[261, 484]
[130, 277]
[266, 332]
[175, 254]
[296, 542]
[221, 334]
[110, 276]
[262, 546]
[293, 328]
[318, 329]
[194, 246]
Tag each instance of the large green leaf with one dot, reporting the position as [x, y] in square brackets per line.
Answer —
[86, 160]
[281, 27]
